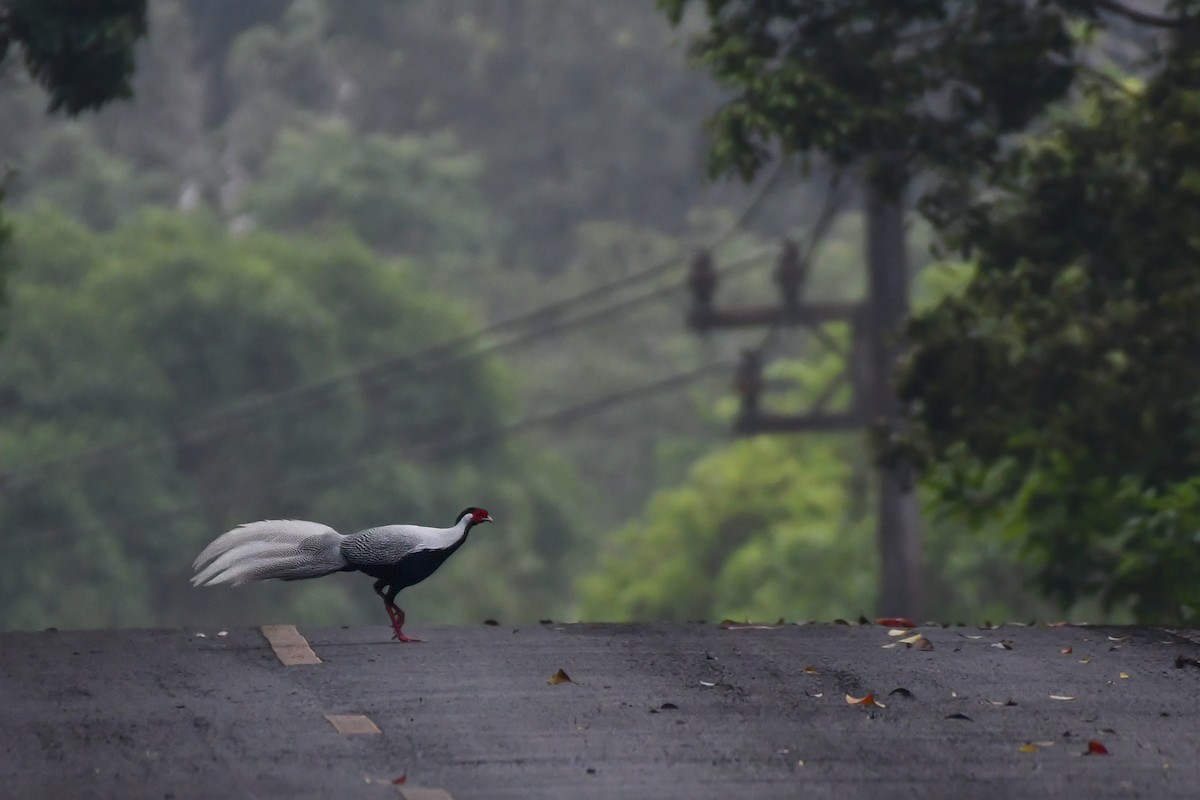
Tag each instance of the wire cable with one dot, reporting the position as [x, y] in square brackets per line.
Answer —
[237, 413]
[430, 449]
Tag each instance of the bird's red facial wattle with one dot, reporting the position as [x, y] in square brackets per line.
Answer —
[480, 515]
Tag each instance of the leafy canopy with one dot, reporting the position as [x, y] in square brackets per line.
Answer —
[1062, 385]
[920, 83]
[82, 53]
[1059, 391]
[121, 346]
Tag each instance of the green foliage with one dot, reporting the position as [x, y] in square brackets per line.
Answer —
[758, 531]
[1062, 384]
[1056, 394]
[407, 125]
[411, 194]
[774, 527]
[919, 83]
[120, 347]
[81, 53]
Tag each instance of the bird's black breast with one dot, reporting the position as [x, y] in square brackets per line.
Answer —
[416, 567]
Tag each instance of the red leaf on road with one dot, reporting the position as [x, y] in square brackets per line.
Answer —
[400, 780]
[1096, 749]
[869, 700]
[895, 622]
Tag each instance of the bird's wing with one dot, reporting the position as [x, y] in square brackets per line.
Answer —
[387, 545]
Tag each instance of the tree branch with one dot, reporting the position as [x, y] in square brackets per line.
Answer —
[1145, 17]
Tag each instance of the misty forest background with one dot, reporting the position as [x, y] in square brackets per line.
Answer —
[277, 283]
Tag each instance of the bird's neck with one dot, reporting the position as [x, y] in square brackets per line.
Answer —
[456, 535]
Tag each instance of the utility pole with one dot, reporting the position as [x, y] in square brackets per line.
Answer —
[898, 530]
[875, 323]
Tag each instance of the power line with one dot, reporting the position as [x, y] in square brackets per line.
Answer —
[429, 448]
[213, 423]
[107, 454]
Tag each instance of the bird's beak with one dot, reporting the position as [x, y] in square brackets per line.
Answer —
[488, 518]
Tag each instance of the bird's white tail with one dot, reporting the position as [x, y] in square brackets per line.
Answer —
[284, 549]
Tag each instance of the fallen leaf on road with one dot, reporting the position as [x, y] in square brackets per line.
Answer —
[1029, 748]
[897, 632]
[918, 641]
[959, 716]
[1085, 661]
[1008, 702]
[1096, 749]
[1003, 644]
[400, 781]
[895, 622]
[811, 670]
[1182, 661]
[869, 700]
[900, 691]
[707, 683]
[1118, 639]
[559, 677]
[814, 694]
[1123, 675]
[1066, 651]
[1061, 697]
[972, 635]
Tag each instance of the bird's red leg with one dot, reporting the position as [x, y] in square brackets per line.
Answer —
[397, 617]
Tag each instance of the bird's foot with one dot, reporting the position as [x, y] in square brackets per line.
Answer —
[397, 617]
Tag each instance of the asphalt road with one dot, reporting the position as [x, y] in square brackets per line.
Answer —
[653, 711]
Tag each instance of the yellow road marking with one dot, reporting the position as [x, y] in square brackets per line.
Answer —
[290, 647]
[350, 724]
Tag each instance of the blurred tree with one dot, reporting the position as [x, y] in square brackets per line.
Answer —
[414, 195]
[759, 530]
[81, 53]
[1060, 389]
[907, 85]
[772, 527]
[552, 149]
[122, 345]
